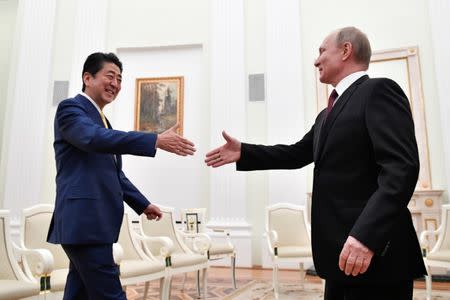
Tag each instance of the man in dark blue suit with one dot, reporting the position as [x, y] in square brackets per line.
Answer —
[90, 183]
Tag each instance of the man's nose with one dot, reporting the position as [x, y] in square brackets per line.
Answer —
[316, 63]
[115, 82]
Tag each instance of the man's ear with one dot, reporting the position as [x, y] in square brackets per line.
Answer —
[86, 77]
[347, 50]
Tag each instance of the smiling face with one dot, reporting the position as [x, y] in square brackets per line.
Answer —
[105, 85]
[330, 61]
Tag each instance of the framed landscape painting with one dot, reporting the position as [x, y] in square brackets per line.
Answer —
[159, 104]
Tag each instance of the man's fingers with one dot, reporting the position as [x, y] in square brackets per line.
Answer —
[343, 257]
[187, 142]
[350, 264]
[358, 265]
[212, 153]
[365, 266]
[214, 160]
[227, 137]
[218, 164]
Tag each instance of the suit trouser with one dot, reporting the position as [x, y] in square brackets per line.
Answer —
[92, 274]
[395, 291]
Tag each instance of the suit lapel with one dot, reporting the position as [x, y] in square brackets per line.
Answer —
[95, 116]
[317, 131]
[92, 110]
[116, 157]
[337, 109]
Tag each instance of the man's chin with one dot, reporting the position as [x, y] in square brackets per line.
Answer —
[109, 99]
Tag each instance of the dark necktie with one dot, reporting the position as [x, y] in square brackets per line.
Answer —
[331, 100]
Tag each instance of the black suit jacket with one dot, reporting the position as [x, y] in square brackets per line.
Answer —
[366, 169]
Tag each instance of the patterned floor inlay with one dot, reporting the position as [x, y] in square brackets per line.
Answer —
[262, 290]
[220, 288]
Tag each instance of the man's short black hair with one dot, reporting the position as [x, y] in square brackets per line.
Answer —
[95, 61]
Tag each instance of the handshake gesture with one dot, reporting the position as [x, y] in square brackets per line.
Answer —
[172, 142]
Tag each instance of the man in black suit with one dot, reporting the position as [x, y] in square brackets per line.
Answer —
[365, 170]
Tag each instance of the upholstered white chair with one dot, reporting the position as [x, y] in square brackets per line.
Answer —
[288, 238]
[182, 258]
[137, 266]
[14, 283]
[439, 255]
[34, 228]
[217, 249]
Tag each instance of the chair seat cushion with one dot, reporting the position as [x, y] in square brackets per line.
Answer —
[289, 251]
[130, 268]
[220, 248]
[14, 289]
[442, 255]
[183, 259]
[58, 279]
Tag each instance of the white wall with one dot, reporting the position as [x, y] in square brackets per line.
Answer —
[145, 23]
[167, 179]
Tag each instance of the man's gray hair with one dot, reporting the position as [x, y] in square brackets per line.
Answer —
[360, 43]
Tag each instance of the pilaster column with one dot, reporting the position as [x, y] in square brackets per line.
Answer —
[228, 112]
[285, 102]
[29, 98]
[91, 22]
[439, 11]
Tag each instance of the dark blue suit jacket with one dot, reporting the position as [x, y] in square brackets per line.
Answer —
[90, 183]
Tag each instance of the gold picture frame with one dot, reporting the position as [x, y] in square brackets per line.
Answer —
[159, 104]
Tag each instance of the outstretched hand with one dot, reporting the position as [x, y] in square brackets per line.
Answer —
[171, 141]
[228, 153]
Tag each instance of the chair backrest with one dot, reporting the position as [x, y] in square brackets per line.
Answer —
[289, 221]
[443, 242]
[193, 218]
[164, 227]
[131, 248]
[34, 227]
[9, 268]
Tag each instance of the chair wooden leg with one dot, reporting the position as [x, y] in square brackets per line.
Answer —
[205, 283]
[198, 283]
[166, 287]
[428, 284]
[147, 284]
[302, 275]
[233, 270]
[275, 280]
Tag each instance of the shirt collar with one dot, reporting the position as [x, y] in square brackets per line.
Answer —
[92, 101]
[345, 83]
